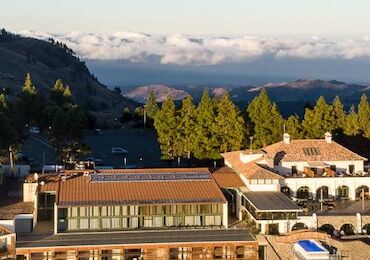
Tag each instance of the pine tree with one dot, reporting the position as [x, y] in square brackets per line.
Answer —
[3, 101]
[364, 116]
[151, 106]
[266, 119]
[319, 120]
[166, 125]
[30, 104]
[206, 145]
[351, 127]
[186, 125]
[28, 86]
[67, 95]
[293, 127]
[56, 93]
[339, 114]
[229, 125]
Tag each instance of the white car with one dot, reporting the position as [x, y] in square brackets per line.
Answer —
[118, 150]
[34, 130]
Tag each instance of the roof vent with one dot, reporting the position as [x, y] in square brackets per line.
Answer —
[328, 137]
[86, 173]
[286, 138]
[64, 177]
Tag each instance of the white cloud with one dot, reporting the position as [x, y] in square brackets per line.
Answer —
[187, 50]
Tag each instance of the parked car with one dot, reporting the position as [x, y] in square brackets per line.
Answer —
[98, 131]
[98, 162]
[34, 130]
[118, 150]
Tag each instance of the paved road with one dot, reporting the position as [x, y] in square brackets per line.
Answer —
[138, 143]
[38, 145]
[142, 146]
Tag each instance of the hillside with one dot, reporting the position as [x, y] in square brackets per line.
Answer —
[49, 61]
[140, 94]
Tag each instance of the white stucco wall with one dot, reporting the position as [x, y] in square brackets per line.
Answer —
[225, 215]
[342, 166]
[331, 182]
[246, 158]
[29, 192]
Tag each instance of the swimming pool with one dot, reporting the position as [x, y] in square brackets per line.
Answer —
[310, 250]
[310, 246]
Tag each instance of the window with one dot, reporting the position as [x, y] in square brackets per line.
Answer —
[311, 151]
[351, 168]
[333, 167]
[294, 170]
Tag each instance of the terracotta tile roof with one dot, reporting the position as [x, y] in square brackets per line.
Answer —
[227, 178]
[78, 189]
[299, 150]
[251, 170]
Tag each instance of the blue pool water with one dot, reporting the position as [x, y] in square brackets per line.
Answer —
[310, 246]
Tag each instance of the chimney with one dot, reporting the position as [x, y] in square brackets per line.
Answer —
[286, 138]
[328, 137]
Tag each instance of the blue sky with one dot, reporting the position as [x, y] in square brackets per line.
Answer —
[196, 17]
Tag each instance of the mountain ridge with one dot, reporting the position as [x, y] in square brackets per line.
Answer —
[49, 61]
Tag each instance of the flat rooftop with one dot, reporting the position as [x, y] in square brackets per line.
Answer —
[271, 201]
[133, 238]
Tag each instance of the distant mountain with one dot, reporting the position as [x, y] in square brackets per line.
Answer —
[292, 97]
[49, 61]
[140, 94]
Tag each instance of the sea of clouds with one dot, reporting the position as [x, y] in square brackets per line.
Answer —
[208, 50]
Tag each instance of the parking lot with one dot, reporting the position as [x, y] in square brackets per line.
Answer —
[142, 146]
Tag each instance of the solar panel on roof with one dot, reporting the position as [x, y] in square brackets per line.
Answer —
[311, 151]
[134, 177]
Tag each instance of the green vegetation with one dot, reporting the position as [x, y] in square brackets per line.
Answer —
[63, 119]
[216, 125]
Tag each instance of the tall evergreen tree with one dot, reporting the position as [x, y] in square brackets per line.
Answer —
[28, 86]
[30, 104]
[352, 126]
[319, 120]
[67, 95]
[151, 106]
[266, 119]
[339, 114]
[57, 92]
[186, 125]
[206, 145]
[293, 127]
[364, 116]
[166, 125]
[229, 125]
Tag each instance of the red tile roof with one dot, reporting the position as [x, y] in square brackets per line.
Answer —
[251, 170]
[78, 189]
[295, 151]
[227, 178]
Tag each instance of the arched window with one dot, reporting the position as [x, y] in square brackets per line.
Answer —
[286, 190]
[343, 192]
[322, 193]
[299, 226]
[362, 189]
[303, 193]
[328, 228]
[347, 229]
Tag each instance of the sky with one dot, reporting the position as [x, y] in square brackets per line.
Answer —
[192, 41]
[196, 17]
